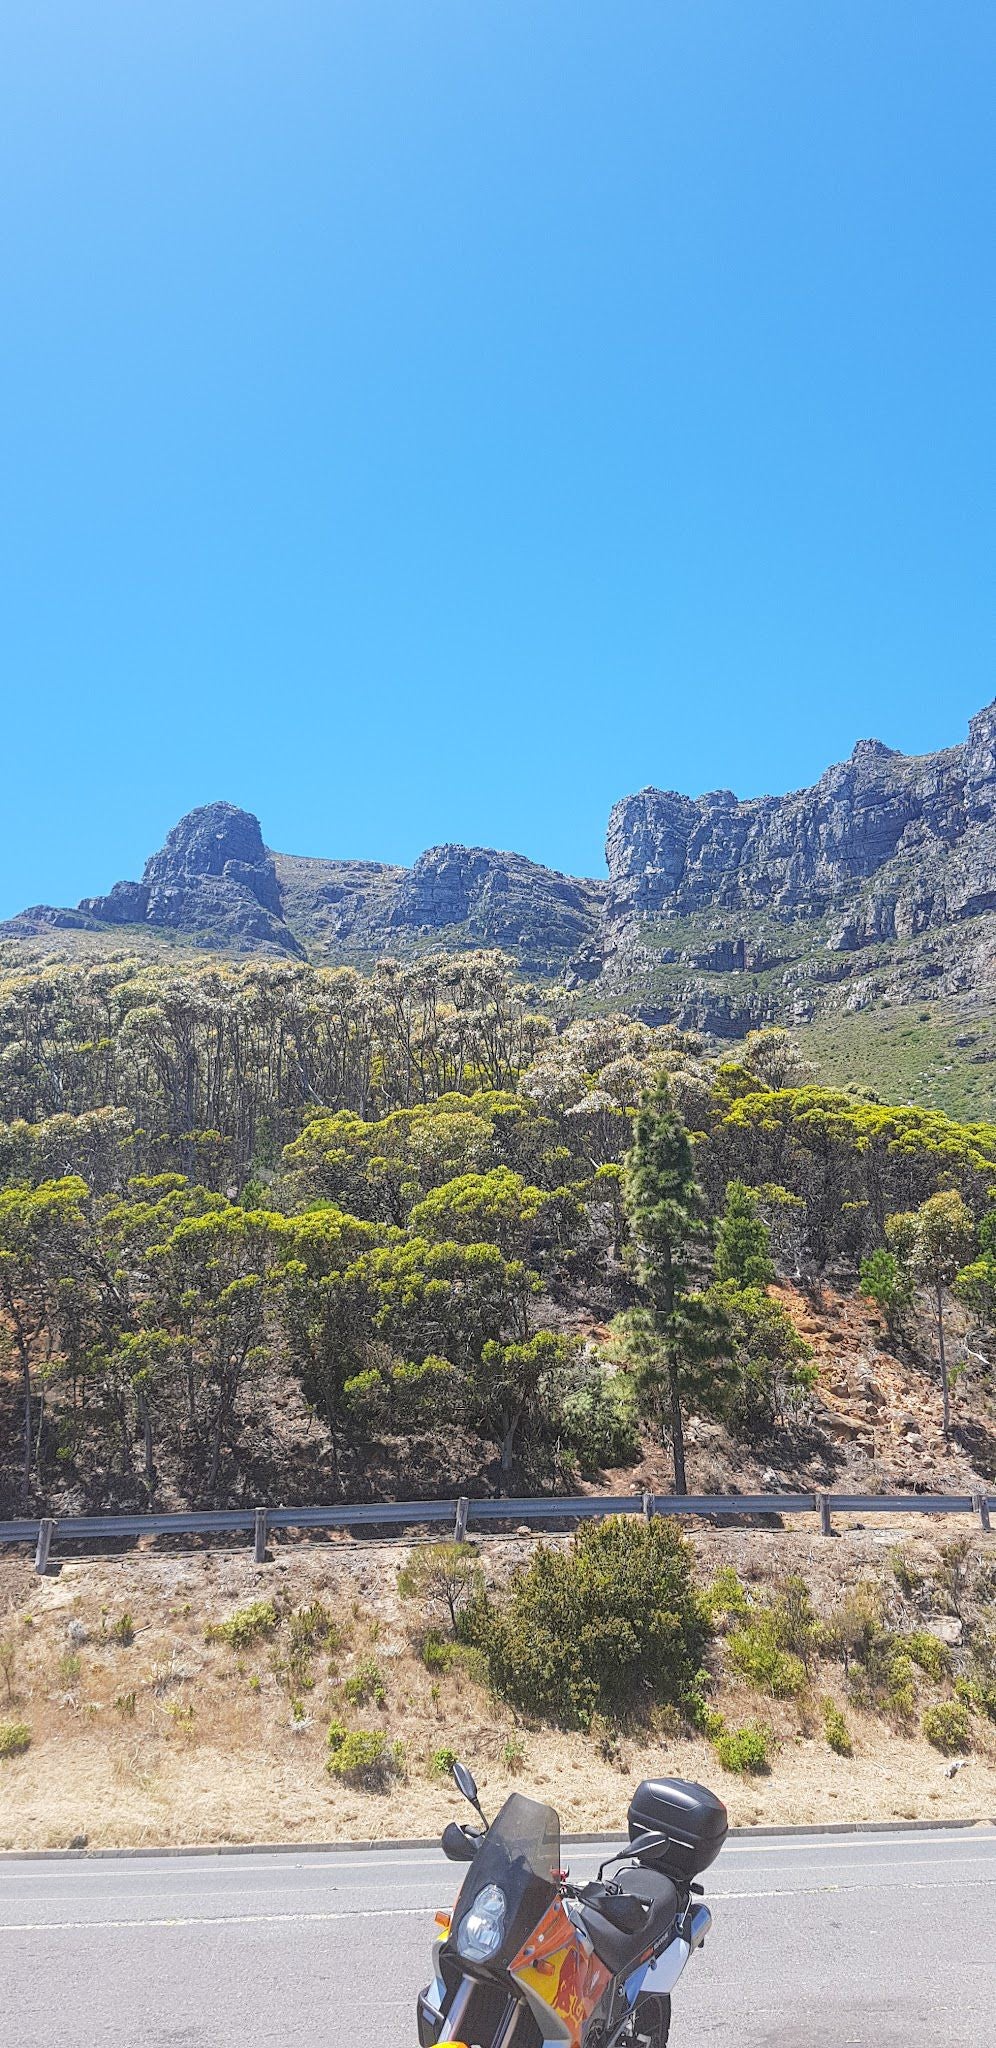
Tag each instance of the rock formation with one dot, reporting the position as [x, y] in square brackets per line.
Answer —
[878, 881]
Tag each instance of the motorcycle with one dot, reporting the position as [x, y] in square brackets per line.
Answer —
[529, 1960]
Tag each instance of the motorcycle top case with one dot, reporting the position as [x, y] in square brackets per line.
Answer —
[693, 1818]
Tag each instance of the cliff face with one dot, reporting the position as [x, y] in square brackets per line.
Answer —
[877, 883]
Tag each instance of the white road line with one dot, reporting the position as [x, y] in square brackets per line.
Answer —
[209, 1920]
[405, 1912]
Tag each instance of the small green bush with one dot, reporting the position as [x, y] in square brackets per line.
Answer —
[836, 1729]
[727, 1595]
[366, 1684]
[909, 1578]
[927, 1652]
[745, 1750]
[948, 1727]
[442, 1762]
[15, 1738]
[977, 1693]
[363, 1758]
[754, 1654]
[122, 1631]
[314, 1628]
[513, 1754]
[125, 1704]
[246, 1626]
[69, 1668]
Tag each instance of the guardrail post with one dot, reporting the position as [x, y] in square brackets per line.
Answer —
[46, 1532]
[460, 1525]
[259, 1536]
[981, 1505]
[648, 1507]
[823, 1504]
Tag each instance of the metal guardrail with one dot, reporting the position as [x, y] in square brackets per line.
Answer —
[260, 1523]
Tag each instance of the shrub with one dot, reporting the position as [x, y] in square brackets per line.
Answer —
[246, 1626]
[947, 1726]
[836, 1729]
[314, 1628]
[442, 1762]
[908, 1578]
[727, 1595]
[978, 1693]
[69, 1668]
[125, 1704]
[439, 1654]
[746, 1750]
[15, 1738]
[513, 1754]
[754, 1653]
[366, 1684]
[927, 1652]
[613, 1625]
[363, 1758]
[123, 1631]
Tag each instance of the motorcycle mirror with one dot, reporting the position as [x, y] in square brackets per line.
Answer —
[457, 1844]
[650, 1839]
[466, 1784]
[639, 1846]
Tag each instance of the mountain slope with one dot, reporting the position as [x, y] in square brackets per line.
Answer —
[876, 886]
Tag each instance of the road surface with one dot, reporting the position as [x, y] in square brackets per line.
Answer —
[830, 1941]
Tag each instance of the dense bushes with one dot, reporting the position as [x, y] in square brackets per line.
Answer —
[613, 1625]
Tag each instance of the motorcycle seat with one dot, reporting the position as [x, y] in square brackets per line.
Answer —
[616, 1947]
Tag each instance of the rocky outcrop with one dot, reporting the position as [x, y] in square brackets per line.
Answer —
[878, 883]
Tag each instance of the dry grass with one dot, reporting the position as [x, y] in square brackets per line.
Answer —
[176, 1740]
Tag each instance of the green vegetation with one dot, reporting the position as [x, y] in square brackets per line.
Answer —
[836, 1729]
[367, 1760]
[15, 1738]
[745, 1750]
[248, 1625]
[366, 1684]
[948, 1727]
[393, 1209]
[611, 1626]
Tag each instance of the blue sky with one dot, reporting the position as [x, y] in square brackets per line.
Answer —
[434, 419]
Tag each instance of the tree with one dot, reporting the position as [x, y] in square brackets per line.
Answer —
[743, 1246]
[675, 1340]
[936, 1242]
[42, 1238]
[773, 1363]
[885, 1280]
[444, 1575]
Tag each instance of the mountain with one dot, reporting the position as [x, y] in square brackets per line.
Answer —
[876, 886]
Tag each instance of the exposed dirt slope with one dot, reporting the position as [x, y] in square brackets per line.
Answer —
[172, 1739]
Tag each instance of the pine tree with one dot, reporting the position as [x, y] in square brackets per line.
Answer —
[743, 1247]
[676, 1339]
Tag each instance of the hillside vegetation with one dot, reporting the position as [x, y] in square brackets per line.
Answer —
[268, 1231]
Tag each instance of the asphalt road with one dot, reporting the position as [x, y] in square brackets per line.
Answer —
[831, 1941]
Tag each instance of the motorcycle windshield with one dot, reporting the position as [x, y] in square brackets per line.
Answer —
[521, 1855]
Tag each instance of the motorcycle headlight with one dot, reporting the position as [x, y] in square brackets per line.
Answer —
[481, 1931]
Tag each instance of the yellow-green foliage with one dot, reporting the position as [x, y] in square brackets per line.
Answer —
[366, 1684]
[836, 1730]
[927, 1652]
[15, 1738]
[948, 1727]
[363, 1757]
[754, 1654]
[246, 1626]
[726, 1596]
[745, 1750]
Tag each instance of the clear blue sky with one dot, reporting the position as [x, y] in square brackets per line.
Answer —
[433, 419]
